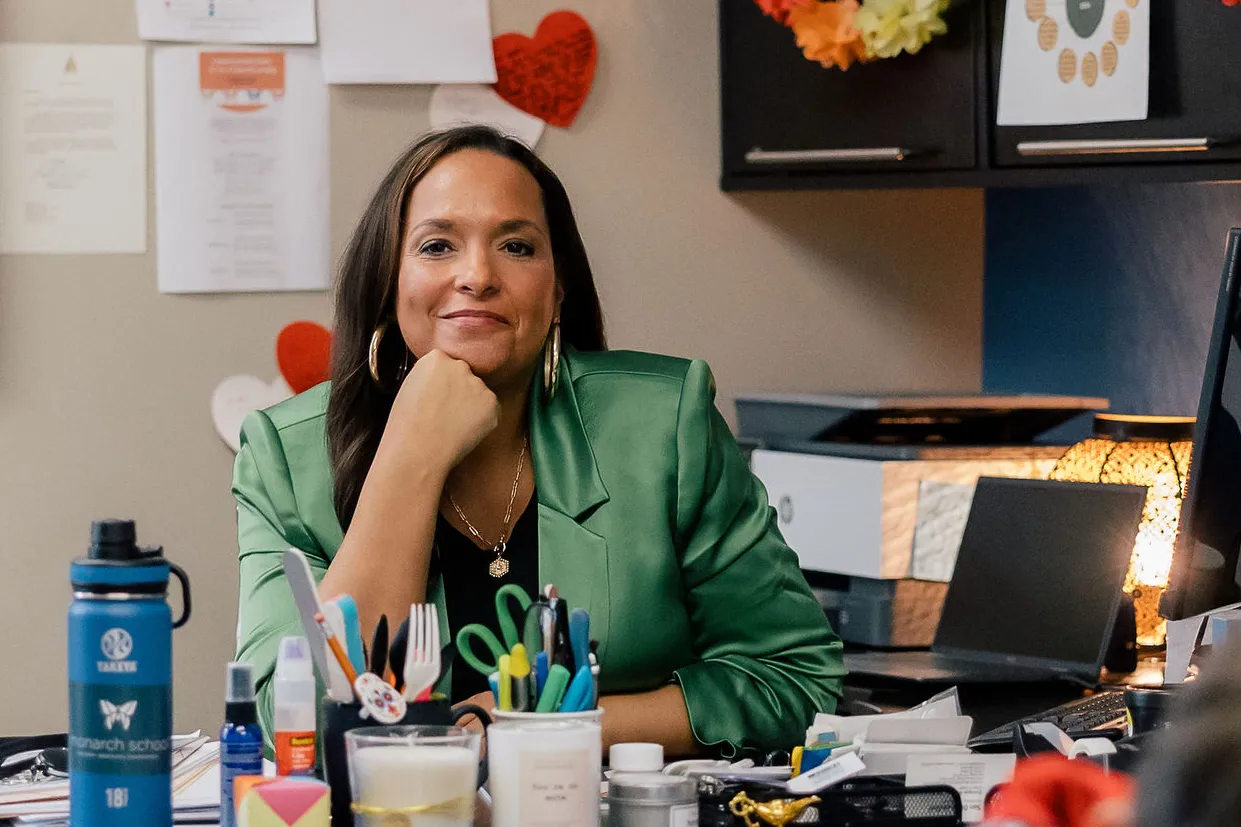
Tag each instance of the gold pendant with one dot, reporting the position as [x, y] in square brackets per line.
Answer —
[498, 567]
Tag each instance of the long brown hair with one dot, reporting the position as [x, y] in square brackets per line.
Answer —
[366, 288]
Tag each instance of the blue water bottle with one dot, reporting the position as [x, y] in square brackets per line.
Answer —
[120, 681]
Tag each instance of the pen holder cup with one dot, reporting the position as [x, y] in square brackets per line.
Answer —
[339, 718]
[590, 716]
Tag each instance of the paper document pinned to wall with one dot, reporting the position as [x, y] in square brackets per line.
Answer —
[72, 149]
[227, 21]
[1074, 61]
[406, 41]
[241, 170]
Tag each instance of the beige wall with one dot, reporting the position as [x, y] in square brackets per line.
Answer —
[104, 383]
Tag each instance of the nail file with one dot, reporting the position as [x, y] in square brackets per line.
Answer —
[577, 696]
[352, 629]
[306, 596]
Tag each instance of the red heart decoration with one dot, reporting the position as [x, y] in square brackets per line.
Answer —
[550, 75]
[304, 353]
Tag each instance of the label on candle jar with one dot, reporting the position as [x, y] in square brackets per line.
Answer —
[557, 788]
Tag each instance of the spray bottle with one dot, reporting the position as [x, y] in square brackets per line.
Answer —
[241, 738]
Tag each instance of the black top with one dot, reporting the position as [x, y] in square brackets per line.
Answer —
[470, 590]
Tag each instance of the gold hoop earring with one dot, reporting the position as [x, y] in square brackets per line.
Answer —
[372, 357]
[551, 361]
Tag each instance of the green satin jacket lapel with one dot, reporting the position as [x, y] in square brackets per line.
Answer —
[569, 488]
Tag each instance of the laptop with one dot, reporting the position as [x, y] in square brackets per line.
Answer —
[1036, 588]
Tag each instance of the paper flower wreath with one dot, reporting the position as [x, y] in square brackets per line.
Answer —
[839, 33]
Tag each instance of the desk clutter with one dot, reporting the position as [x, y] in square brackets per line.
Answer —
[392, 754]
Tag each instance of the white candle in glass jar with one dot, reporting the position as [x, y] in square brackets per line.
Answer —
[396, 778]
[544, 773]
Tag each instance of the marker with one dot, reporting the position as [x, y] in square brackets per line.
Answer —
[493, 680]
[553, 692]
[519, 665]
[506, 683]
[577, 696]
[579, 637]
[352, 630]
[540, 671]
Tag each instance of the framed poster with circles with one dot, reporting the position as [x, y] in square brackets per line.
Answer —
[1074, 61]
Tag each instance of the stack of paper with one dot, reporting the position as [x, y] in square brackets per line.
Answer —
[195, 789]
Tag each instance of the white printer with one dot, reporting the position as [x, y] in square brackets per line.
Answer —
[861, 483]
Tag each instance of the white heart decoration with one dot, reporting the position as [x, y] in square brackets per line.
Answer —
[236, 397]
[453, 104]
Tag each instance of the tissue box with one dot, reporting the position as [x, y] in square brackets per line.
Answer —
[285, 802]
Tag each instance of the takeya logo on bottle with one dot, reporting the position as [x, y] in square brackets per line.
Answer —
[117, 645]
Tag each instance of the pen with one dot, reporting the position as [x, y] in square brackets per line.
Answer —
[519, 667]
[506, 684]
[493, 680]
[337, 650]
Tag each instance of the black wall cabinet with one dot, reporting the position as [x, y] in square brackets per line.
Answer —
[929, 119]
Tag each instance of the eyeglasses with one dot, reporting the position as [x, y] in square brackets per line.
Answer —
[33, 760]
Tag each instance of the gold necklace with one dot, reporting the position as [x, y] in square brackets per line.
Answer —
[499, 566]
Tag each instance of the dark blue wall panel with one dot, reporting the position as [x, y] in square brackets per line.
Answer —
[1105, 291]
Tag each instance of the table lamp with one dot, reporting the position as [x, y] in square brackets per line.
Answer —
[1140, 450]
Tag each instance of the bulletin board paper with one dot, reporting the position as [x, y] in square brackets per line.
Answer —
[227, 21]
[1074, 61]
[241, 170]
[406, 41]
[73, 149]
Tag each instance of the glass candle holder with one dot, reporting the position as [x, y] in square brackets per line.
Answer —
[413, 776]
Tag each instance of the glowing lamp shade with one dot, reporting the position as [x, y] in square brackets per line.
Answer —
[1140, 450]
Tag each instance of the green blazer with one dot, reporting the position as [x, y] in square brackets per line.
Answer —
[648, 517]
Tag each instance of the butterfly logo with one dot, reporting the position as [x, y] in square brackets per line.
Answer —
[114, 714]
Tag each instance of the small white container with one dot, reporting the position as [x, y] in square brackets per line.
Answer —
[636, 757]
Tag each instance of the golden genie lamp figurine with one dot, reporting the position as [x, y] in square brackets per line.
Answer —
[776, 813]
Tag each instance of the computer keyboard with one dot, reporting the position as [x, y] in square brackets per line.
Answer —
[1102, 711]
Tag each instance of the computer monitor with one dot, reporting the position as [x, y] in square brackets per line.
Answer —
[1204, 572]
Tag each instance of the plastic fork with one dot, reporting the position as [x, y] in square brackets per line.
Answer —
[422, 654]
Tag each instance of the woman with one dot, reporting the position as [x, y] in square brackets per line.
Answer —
[476, 426]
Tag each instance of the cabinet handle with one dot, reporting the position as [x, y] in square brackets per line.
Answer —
[831, 156]
[1113, 147]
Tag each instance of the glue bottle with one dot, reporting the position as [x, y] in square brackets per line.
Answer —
[241, 737]
[294, 708]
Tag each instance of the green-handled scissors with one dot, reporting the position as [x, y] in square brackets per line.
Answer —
[508, 629]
